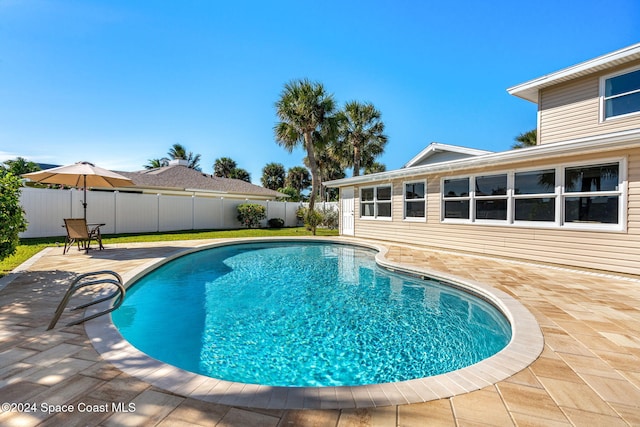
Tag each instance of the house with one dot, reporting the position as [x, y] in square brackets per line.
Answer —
[178, 179]
[573, 199]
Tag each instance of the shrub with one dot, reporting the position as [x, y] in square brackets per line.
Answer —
[12, 219]
[250, 214]
[330, 218]
[325, 217]
[276, 223]
[301, 212]
[312, 220]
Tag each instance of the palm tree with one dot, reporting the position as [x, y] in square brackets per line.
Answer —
[292, 193]
[193, 161]
[361, 135]
[273, 176]
[241, 174]
[329, 168]
[374, 167]
[298, 179]
[305, 109]
[526, 139]
[224, 167]
[157, 163]
[20, 165]
[179, 152]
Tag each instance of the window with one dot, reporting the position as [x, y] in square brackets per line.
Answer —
[367, 202]
[491, 197]
[587, 196]
[591, 194]
[534, 195]
[620, 94]
[375, 202]
[415, 200]
[456, 198]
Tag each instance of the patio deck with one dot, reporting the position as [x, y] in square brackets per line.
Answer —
[588, 373]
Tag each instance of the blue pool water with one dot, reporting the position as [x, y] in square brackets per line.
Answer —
[305, 314]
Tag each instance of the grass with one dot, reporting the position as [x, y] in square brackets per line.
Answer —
[23, 253]
[30, 247]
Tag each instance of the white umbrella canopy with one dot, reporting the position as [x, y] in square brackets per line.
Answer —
[80, 175]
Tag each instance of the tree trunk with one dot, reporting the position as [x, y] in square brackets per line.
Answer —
[356, 160]
[315, 179]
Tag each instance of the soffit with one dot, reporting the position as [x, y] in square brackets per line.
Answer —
[529, 90]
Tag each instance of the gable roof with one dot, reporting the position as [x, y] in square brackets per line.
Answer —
[182, 178]
[434, 150]
[529, 90]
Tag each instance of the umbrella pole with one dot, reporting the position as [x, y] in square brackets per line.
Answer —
[84, 201]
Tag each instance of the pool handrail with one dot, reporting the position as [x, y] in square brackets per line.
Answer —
[76, 284]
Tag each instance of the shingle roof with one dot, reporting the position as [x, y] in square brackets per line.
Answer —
[177, 177]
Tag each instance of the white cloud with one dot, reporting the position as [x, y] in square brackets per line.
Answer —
[6, 155]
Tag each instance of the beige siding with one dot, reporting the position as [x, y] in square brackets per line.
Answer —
[613, 251]
[572, 110]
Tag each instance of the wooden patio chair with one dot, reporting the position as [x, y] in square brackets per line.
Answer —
[79, 232]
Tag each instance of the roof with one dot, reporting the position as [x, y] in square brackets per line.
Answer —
[529, 90]
[182, 178]
[594, 144]
[45, 166]
[429, 154]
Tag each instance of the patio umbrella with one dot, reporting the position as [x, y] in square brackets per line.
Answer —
[80, 175]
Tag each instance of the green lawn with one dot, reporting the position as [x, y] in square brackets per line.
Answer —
[30, 247]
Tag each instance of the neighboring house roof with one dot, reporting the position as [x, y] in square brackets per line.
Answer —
[437, 152]
[529, 90]
[182, 178]
[45, 166]
[593, 144]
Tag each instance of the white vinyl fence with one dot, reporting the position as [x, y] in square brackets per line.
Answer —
[139, 213]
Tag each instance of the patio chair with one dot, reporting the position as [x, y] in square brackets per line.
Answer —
[79, 232]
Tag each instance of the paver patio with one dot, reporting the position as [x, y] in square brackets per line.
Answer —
[587, 375]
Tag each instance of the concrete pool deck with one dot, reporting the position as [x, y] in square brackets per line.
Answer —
[587, 374]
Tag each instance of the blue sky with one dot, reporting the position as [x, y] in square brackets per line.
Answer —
[118, 82]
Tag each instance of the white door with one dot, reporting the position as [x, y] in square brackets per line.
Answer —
[347, 204]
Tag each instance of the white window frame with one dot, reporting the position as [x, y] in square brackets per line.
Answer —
[559, 194]
[468, 198]
[376, 203]
[603, 98]
[551, 195]
[621, 193]
[475, 198]
[405, 201]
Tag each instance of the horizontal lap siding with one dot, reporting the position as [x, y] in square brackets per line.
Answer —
[633, 207]
[572, 110]
[613, 251]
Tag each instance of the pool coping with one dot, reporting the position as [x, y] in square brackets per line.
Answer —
[524, 348]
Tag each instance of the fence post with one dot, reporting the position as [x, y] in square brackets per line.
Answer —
[115, 211]
[158, 211]
[222, 211]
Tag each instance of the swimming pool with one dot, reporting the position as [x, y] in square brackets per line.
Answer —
[305, 314]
